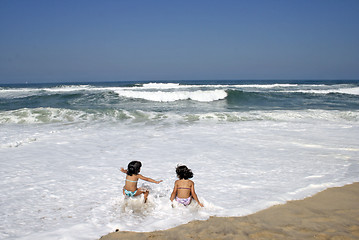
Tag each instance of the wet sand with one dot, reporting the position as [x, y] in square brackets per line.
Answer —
[331, 214]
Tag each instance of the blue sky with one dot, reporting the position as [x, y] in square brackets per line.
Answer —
[85, 40]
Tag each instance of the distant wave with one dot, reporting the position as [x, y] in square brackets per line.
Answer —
[267, 86]
[350, 91]
[162, 85]
[162, 96]
[204, 92]
[26, 92]
[67, 88]
[176, 97]
[178, 85]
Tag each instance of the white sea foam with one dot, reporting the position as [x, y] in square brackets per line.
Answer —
[43, 115]
[162, 85]
[68, 88]
[67, 182]
[161, 96]
[58, 115]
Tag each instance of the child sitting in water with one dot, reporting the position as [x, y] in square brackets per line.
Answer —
[183, 190]
[130, 189]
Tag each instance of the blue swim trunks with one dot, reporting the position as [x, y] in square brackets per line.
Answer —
[129, 193]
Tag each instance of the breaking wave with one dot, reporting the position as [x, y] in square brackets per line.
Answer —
[56, 115]
[162, 96]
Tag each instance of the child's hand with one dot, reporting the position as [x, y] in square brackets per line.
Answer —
[123, 170]
[159, 181]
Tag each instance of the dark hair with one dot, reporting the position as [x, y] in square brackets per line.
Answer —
[183, 172]
[134, 167]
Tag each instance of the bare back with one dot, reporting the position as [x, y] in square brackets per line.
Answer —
[131, 182]
[184, 188]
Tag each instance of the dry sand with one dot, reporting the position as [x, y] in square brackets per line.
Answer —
[331, 214]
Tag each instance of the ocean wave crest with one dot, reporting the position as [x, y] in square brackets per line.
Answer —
[347, 90]
[162, 96]
[57, 115]
[161, 85]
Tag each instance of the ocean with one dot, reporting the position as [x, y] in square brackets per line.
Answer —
[250, 145]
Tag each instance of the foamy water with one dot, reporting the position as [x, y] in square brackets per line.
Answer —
[60, 175]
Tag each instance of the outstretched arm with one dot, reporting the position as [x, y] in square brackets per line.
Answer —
[194, 195]
[149, 179]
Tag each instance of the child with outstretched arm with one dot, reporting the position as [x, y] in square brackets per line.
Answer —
[130, 189]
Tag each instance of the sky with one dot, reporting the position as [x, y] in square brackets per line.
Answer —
[118, 40]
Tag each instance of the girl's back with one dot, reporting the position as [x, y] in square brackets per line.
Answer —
[130, 189]
[131, 182]
[184, 188]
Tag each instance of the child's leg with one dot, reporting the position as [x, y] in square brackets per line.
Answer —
[145, 194]
[143, 191]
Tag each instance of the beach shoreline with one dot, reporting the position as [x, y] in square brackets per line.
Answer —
[330, 214]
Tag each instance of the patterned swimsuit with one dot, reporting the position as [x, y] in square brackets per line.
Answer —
[184, 201]
[130, 193]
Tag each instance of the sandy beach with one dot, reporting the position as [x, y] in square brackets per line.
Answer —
[330, 214]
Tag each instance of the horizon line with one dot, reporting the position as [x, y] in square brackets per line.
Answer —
[168, 81]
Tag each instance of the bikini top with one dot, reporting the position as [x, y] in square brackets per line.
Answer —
[131, 180]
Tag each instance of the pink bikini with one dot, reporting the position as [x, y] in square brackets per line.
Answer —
[184, 201]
